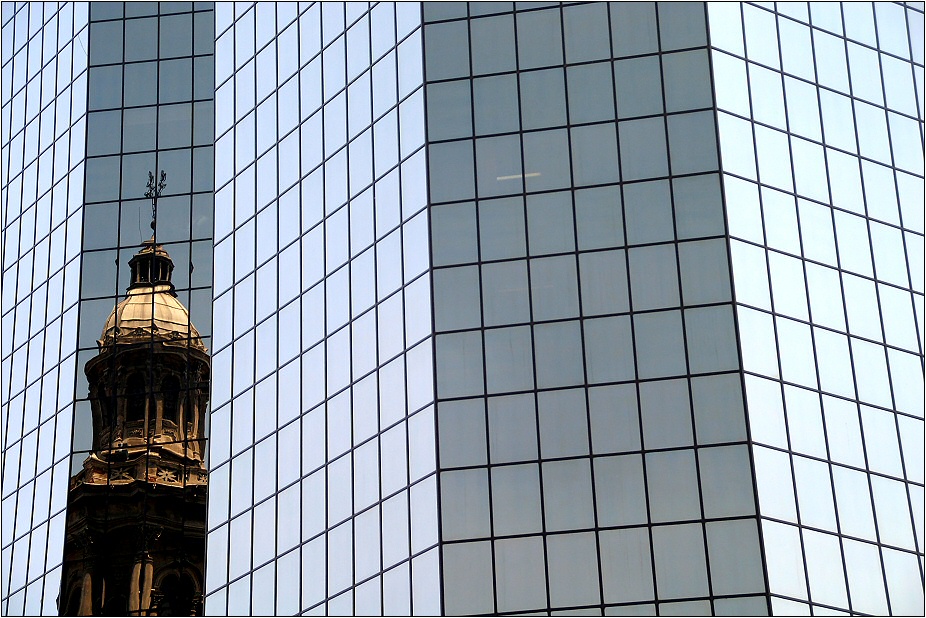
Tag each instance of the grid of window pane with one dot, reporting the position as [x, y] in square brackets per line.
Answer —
[592, 437]
[149, 107]
[644, 220]
[44, 81]
[322, 490]
[822, 152]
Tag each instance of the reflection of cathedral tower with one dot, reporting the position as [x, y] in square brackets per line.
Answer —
[135, 538]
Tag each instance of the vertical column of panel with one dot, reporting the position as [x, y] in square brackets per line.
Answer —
[324, 235]
[540, 394]
[149, 109]
[44, 100]
[833, 189]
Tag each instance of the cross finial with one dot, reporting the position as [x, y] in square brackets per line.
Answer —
[153, 192]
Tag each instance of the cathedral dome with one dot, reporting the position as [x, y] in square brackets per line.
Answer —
[151, 311]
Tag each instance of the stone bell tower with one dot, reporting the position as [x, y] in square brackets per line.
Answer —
[135, 537]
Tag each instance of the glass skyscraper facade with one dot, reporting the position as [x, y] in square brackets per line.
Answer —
[322, 450]
[95, 96]
[820, 116]
[586, 308]
[593, 445]
[44, 83]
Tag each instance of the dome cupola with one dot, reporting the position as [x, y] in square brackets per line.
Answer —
[149, 382]
[151, 310]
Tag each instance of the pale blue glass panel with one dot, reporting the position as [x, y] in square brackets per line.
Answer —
[572, 561]
[633, 28]
[863, 568]
[890, 264]
[459, 364]
[443, 46]
[594, 154]
[543, 97]
[737, 150]
[815, 497]
[516, 500]
[853, 502]
[862, 307]
[546, 160]
[558, 354]
[512, 428]
[781, 221]
[626, 565]
[774, 158]
[860, 22]
[563, 424]
[468, 590]
[830, 53]
[620, 490]
[508, 360]
[456, 296]
[586, 33]
[679, 561]
[659, 344]
[899, 83]
[837, 121]
[539, 39]
[735, 557]
[567, 494]
[638, 86]
[761, 36]
[520, 573]
[666, 414]
[810, 170]
[603, 277]
[687, 80]
[648, 212]
[904, 588]
[591, 95]
[554, 288]
[766, 411]
[825, 568]
[449, 111]
[803, 109]
[774, 484]
[493, 44]
[643, 149]
[797, 50]
[795, 350]
[897, 316]
[805, 422]
[654, 277]
[718, 409]
[871, 373]
[907, 382]
[602, 337]
[907, 149]
[865, 71]
[836, 373]
[505, 293]
[783, 559]
[892, 35]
